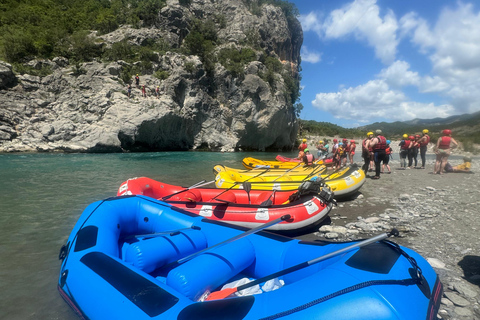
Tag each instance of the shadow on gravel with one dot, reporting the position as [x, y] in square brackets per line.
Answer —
[471, 269]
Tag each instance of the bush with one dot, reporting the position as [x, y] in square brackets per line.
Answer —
[234, 60]
[161, 74]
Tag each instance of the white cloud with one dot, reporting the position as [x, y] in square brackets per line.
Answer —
[362, 19]
[312, 57]
[311, 22]
[376, 100]
[399, 75]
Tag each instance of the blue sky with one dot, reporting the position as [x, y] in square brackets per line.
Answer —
[365, 60]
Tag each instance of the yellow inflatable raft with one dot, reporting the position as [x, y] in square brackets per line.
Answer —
[344, 183]
[252, 163]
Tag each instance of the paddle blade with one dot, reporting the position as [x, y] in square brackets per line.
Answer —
[217, 295]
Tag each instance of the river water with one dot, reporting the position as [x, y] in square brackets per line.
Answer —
[42, 196]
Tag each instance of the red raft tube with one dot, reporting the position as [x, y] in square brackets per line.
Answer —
[307, 206]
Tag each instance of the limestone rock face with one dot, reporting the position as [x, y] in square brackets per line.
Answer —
[90, 111]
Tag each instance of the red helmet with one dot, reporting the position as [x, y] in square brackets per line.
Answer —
[417, 136]
[447, 132]
[411, 138]
[335, 140]
[344, 139]
[352, 141]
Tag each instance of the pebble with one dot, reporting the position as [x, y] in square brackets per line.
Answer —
[465, 289]
[456, 299]
[435, 263]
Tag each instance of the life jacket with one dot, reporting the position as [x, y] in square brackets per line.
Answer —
[352, 147]
[405, 145]
[347, 148]
[302, 147]
[381, 144]
[364, 148]
[426, 141]
[340, 151]
[309, 158]
[334, 148]
[388, 150]
[445, 143]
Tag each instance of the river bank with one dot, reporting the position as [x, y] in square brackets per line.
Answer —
[437, 215]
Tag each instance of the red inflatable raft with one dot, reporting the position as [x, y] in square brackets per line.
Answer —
[307, 207]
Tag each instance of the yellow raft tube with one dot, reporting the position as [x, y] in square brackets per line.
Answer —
[252, 163]
[344, 182]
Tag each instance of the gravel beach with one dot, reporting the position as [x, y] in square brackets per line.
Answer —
[437, 216]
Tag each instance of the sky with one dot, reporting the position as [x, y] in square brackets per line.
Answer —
[365, 61]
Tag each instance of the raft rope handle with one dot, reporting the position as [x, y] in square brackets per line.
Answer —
[405, 282]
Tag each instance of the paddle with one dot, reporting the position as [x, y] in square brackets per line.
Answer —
[196, 185]
[301, 163]
[241, 235]
[226, 292]
[247, 186]
[236, 183]
[268, 202]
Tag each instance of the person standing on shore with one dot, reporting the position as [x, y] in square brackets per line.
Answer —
[303, 145]
[334, 146]
[366, 152]
[386, 159]
[378, 145]
[321, 150]
[351, 149]
[144, 91]
[404, 151]
[443, 150]
[423, 143]
[410, 151]
[415, 148]
[137, 80]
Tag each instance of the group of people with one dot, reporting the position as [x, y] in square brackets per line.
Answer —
[376, 152]
[143, 88]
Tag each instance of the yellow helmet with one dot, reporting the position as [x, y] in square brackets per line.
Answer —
[405, 136]
[425, 131]
[137, 74]
[370, 134]
[321, 141]
[304, 140]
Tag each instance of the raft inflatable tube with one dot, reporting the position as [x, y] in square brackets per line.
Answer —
[252, 163]
[344, 182]
[299, 170]
[119, 262]
[238, 207]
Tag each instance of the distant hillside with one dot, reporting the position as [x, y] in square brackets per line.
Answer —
[466, 128]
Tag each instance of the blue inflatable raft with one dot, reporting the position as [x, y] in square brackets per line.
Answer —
[120, 262]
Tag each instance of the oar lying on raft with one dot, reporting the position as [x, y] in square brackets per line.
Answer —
[196, 185]
[227, 292]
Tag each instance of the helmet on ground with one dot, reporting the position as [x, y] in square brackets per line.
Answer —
[447, 132]
[304, 140]
[467, 159]
[306, 150]
[411, 138]
[321, 141]
[388, 141]
[335, 140]
[370, 134]
[352, 141]
[340, 143]
[378, 131]
[425, 131]
[405, 136]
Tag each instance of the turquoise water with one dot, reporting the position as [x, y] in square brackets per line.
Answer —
[42, 196]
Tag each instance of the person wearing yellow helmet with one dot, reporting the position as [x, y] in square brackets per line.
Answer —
[404, 146]
[423, 143]
[321, 150]
[137, 80]
[303, 145]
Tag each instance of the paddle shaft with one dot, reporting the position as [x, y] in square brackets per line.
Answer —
[239, 183]
[313, 261]
[242, 235]
[196, 185]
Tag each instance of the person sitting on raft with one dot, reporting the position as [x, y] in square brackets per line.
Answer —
[462, 168]
[308, 158]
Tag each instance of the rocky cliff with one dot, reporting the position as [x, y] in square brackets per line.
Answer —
[84, 107]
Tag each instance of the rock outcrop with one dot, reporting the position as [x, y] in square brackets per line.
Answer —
[85, 108]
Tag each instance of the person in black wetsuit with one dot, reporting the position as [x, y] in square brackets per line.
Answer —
[423, 142]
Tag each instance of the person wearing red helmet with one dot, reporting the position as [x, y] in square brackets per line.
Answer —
[415, 148]
[443, 150]
[351, 150]
[366, 151]
[411, 142]
[334, 146]
[378, 144]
